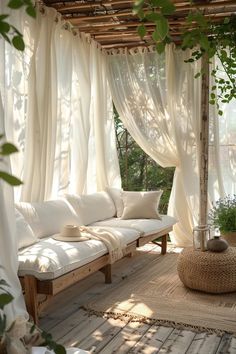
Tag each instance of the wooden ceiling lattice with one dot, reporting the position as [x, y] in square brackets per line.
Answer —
[113, 25]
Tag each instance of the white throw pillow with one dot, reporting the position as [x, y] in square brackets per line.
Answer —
[141, 205]
[116, 195]
[24, 233]
[48, 218]
[92, 207]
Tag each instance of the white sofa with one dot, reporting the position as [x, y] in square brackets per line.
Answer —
[47, 266]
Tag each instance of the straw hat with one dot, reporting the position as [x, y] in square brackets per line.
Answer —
[70, 233]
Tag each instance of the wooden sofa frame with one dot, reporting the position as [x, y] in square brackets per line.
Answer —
[33, 287]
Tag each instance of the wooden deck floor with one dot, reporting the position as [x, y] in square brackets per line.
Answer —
[72, 326]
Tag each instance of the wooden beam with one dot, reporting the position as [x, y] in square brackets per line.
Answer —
[77, 19]
[204, 148]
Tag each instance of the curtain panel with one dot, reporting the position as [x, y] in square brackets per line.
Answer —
[159, 100]
[59, 111]
[55, 106]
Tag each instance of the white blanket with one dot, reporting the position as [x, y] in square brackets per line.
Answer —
[111, 241]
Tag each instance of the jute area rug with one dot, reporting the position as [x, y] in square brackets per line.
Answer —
[156, 295]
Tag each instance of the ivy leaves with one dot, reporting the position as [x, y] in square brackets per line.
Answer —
[156, 12]
[10, 32]
[7, 149]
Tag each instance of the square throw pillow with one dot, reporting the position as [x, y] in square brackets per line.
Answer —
[141, 205]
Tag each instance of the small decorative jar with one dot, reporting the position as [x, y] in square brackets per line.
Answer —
[217, 244]
[201, 235]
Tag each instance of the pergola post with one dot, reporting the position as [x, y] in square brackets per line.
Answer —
[204, 148]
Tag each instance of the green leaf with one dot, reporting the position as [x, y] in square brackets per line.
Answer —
[220, 113]
[5, 37]
[12, 180]
[153, 16]
[142, 31]
[31, 11]
[59, 349]
[155, 36]
[168, 9]
[5, 299]
[7, 149]
[160, 47]
[159, 3]
[197, 75]
[15, 4]
[213, 96]
[162, 27]
[4, 27]
[18, 43]
[204, 43]
[3, 17]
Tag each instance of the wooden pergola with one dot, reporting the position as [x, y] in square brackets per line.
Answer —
[113, 24]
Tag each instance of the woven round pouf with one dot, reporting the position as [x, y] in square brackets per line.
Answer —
[211, 272]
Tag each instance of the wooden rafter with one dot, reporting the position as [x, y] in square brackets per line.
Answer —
[112, 21]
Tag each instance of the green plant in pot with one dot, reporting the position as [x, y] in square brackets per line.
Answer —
[223, 216]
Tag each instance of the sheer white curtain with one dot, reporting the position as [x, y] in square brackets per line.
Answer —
[63, 119]
[8, 246]
[56, 108]
[158, 100]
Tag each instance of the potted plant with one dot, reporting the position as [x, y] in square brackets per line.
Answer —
[223, 216]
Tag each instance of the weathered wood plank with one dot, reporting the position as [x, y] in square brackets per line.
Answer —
[178, 342]
[152, 341]
[103, 334]
[224, 344]
[83, 331]
[232, 347]
[204, 343]
[125, 339]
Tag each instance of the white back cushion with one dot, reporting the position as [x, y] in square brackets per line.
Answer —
[116, 195]
[92, 207]
[48, 218]
[24, 233]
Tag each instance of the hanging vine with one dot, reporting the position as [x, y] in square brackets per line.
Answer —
[200, 34]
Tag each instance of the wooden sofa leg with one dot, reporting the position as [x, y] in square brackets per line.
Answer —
[164, 244]
[31, 300]
[107, 272]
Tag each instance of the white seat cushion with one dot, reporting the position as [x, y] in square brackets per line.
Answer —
[49, 258]
[145, 226]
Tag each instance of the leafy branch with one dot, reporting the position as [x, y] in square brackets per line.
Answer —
[10, 32]
[199, 34]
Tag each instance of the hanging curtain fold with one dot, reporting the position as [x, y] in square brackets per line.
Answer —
[11, 103]
[158, 100]
[65, 121]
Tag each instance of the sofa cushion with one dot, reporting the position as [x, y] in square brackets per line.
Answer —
[49, 258]
[48, 218]
[145, 226]
[115, 194]
[92, 207]
[24, 233]
[141, 205]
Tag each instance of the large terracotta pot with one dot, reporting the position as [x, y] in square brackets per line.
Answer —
[230, 237]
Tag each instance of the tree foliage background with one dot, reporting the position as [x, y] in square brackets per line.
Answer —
[139, 172]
